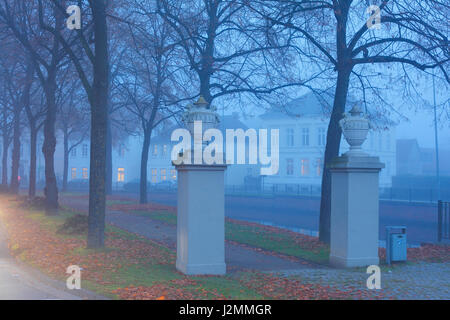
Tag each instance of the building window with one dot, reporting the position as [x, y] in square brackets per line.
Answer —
[155, 150]
[173, 174]
[85, 173]
[163, 175]
[290, 137]
[120, 175]
[84, 150]
[289, 167]
[74, 173]
[154, 175]
[305, 136]
[164, 150]
[319, 167]
[321, 139]
[73, 153]
[304, 167]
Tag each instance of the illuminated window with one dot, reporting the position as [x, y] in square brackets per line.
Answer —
[154, 175]
[155, 150]
[290, 137]
[305, 136]
[74, 173]
[173, 174]
[84, 150]
[85, 173]
[289, 167]
[304, 167]
[163, 175]
[120, 174]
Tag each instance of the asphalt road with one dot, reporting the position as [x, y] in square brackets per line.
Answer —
[303, 213]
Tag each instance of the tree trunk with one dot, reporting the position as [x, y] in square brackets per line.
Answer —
[109, 158]
[144, 161]
[5, 162]
[99, 113]
[332, 150]
[48, 149]
[66, 161]
[15, 159]
[32, 180]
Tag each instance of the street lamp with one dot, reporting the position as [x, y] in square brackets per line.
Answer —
[438, 179]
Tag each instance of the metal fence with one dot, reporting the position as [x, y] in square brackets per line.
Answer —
[443, 220]
[390, 194]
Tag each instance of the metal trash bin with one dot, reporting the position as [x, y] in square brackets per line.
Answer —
[396, 248]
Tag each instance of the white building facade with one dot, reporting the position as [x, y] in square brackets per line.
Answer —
[303, 128]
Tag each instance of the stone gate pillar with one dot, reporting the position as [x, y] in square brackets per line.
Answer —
[201, 203]
[201, 219]
[354, 199]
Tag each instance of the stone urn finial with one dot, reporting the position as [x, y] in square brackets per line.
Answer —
[355, 127]
[200, 111]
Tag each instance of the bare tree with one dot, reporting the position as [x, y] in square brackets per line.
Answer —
[227, 47]
[77, 44]
[25, 21]
[339, 33]
[73, 117]
[153, 81]
[35, 111]
[18, 75]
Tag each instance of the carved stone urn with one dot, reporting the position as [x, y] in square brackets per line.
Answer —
[355, 127]
[200, 111]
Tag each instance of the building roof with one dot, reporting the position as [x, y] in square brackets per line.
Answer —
[307, 105]
[226, 122]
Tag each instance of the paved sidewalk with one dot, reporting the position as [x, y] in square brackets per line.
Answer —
[422, 281]
[19, 283]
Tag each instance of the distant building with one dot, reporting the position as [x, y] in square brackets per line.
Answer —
[160, 164]
[303, 127]
[415, 160]
[127, 159]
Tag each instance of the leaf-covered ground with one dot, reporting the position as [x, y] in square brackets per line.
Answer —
[133, 267]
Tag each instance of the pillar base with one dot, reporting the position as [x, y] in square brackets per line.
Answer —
[343, 262]
[201, 269]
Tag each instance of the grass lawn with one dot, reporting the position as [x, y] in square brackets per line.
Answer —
[129, 266]
[258, 236]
